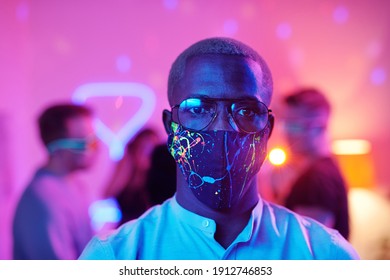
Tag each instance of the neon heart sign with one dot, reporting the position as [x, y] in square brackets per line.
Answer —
[116, 141]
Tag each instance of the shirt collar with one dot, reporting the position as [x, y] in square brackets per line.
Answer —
[208, 225]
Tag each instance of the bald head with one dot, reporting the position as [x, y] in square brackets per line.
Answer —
[219, 46]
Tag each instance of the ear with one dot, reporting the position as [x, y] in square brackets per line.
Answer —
[271, 121]
[167, 120]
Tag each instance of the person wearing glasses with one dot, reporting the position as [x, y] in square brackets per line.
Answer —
[318, 189]
[51, 219]
[218, 127]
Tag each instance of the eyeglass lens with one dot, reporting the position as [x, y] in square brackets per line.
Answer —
[250, 116]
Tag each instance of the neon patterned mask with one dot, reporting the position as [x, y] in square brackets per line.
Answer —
[218, 165]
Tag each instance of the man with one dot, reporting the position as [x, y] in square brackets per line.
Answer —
[318, 191]
[51, 220]
[218, 127]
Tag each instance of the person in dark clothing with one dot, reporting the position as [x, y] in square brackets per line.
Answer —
[318, 190]
[127, 184]
[328, 194]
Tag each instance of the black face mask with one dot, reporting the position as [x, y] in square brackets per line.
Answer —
[218, 165]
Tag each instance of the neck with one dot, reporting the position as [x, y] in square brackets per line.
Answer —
[319, 150]
[230, 222]
[230, 227]
[319, 153]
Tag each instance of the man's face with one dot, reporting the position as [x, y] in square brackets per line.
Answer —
[303, 130]
[81, 128]
[220, 76]
[219, 161]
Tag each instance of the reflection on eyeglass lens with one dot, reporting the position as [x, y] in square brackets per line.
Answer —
[250, 116]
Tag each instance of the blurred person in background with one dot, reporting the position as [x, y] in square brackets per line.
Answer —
[127, 184]
[316, 188]
[51, 219]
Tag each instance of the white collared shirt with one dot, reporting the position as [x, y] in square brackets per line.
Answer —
[170, 232]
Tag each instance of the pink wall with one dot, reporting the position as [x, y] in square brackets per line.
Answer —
[48, 48]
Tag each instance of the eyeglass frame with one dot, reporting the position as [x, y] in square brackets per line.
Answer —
[229, 110]
[75, 145]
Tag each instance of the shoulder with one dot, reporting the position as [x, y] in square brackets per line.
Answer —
[47, 192]
[323, 242]
[43, 185]
[123, 243]
[32, 199]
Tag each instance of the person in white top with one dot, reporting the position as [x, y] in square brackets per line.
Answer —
[218, 127]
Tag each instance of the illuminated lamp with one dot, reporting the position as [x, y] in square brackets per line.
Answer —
[355, 160]
[277, 156]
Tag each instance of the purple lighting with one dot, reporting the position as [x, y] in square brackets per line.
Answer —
[22, 12]
[123, 63]
[230, 27]
[378, 76]
[170, 4]
[340, 14]
[283, 31]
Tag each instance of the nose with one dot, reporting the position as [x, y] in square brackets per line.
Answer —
[223, 120]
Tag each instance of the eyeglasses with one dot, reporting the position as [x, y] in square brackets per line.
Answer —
[249, 116]
[77, 145]
[299, 127]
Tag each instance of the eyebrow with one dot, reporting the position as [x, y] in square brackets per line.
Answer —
[206, 97]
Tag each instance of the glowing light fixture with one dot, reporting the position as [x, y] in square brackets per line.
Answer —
[104, 211]
[117, 141]
[355, 159]
[351, 147]
[277, 156]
